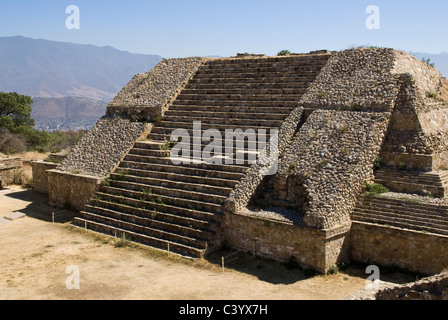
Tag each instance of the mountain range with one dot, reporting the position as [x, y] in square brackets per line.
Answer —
[70, 83]
[42, 68]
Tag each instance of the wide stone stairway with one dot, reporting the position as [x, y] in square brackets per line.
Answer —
[178, 207]
[416, 202]
[407, 213]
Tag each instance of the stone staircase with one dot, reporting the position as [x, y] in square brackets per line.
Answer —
[402, 213]
[433, 183]
[178, 208]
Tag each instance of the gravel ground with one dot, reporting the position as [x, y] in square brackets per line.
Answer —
[275, 213]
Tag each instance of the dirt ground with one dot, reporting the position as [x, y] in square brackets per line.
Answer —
[35, 254]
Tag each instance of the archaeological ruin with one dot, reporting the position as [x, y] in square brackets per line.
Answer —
[360, 156]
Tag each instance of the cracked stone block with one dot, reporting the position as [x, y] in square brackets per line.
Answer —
[15, 216]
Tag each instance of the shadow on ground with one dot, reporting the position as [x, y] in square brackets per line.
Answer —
[288, 273]
[264, 269]
[38, 207]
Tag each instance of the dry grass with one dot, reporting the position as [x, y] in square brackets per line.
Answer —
[31, 156]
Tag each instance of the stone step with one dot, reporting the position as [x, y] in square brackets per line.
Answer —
[187, 116]
[230, 144]
[407, 177]
[225, 155]
[421, 183]
[210, 79]
[263, 92]
[123, 195]
[406, 204]
[151, 226]
[164, 137]
[305, 59]
[258, 120]
[248, 86]
[219, 126]
[150, 144]
[190, 186]
[137, 200]
[400, 224]
[154, 214]
[198, 165]
[114, 228]
[226, 131]
[413, 188]
[169, 191]
[292, 66]
[238, 103]
[194, 171]
[191, 161]
[255, 74]
[239, 97]
[218, 123]
[267, 70]
[233, 109]
[404, 210]
[416, 217]
[189, 178]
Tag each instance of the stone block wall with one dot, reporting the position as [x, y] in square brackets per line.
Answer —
[312, 248]
[40, 175]
[389, 246]
[431, 288]
[8, 167]
[71, 191]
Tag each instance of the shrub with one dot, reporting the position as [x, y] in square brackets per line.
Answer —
[377, 163]
[333, 270]
[376, 188]
[402, 166]
[11, 142]
[428, 62]
[284, 53]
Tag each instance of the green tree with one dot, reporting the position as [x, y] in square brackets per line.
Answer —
[17, 124]
[15, 111]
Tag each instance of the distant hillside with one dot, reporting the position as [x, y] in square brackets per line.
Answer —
[66, 113]
[42, 68]
[440, 61]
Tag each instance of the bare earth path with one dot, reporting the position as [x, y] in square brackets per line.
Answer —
[35, 253]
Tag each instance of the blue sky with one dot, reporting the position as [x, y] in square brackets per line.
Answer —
[180, 28]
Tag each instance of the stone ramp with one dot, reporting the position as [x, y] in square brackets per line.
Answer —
[149, 199]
